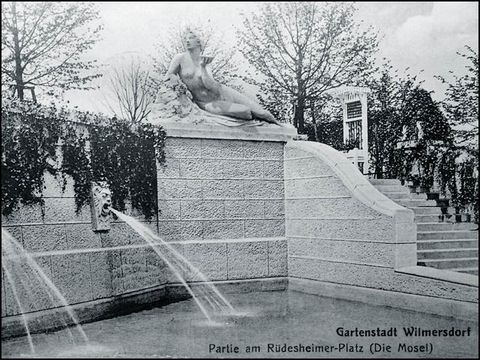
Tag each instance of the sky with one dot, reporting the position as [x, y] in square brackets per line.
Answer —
[418, 35]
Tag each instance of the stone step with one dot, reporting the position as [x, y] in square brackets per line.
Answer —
[445, 226]
[472, 270]
[446, 235]
[449, 264]
[396, 195]
[415, 202]
[447, 253]
[392, 188]
[385, 182]
[426, 210]
[447, 244]
[420, 196]
[427, 218]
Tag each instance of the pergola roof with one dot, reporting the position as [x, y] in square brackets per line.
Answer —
[348, 92]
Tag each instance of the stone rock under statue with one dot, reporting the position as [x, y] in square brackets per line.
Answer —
[190, 94]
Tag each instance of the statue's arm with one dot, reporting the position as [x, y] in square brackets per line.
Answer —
[174, 67]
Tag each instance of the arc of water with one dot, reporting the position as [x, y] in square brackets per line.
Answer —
[149, 237]
[32, 263]
[20, 307]
[213, 302]
[27, 287]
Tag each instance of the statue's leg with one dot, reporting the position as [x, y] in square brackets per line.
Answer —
[227, 108]
[258, 112]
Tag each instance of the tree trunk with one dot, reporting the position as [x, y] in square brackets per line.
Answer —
[314, 120]
[300, 114]
[18, 59]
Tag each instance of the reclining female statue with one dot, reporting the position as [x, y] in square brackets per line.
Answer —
[207, 93]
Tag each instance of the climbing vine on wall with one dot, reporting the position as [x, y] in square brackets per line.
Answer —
[98, 148]
[29, 141]
[124, 157]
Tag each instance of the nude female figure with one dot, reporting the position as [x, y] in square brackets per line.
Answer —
[207, 93]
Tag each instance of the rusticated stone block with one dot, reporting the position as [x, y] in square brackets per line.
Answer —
[71, 275]
[100, 274]
[182, 148]
[63, 210]
[355, 251]
[306, 167]
[171, 169]
[328, 208]
[53, 187]
[224, 149]
[242, 168]
[121, 234]
[38, 238]
[179, 230]
[82, 236]
[202, 209]
[380, 229]
[277, 258]
[273, 169]
[275, 209]
[201, 168]
[157, 270]
[247, 260]
[292, 153]
[223, 229]
[209, 258]
[264, 228]
[24, 214]
[134, 268]
[169, 188]
[169, 209]
[16, 233]
[114, 261]
[266, 189]
[315, 187]
[223, 189]
[263, 150]
[244, 209]
[379, 278]
[32, 291]
[179, 189]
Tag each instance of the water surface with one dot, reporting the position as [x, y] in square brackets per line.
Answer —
[283, 318]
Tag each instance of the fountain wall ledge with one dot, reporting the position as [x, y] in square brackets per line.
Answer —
[241, 131]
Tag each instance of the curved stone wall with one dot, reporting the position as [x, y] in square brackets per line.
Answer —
[341, 230]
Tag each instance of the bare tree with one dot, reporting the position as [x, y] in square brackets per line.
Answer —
[132, 90]
[42, 44]
[300, 50]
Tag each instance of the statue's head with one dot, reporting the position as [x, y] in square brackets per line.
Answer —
[192, 41]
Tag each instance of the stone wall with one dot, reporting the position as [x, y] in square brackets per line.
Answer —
[221, 206]
[341, 230]
[222, 201]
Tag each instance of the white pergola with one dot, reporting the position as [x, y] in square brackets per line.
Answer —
[355, 121]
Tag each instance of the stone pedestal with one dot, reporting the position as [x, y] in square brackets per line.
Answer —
[221, 196]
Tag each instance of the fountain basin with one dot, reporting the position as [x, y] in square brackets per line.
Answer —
[283, 319]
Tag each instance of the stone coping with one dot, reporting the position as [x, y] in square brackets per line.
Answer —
[445, 275]
[351, 177]
[413, 302]
[266, 132]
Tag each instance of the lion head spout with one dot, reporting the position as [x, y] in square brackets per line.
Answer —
[100, 205]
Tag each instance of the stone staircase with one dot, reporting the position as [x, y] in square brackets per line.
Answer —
[441, 244]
